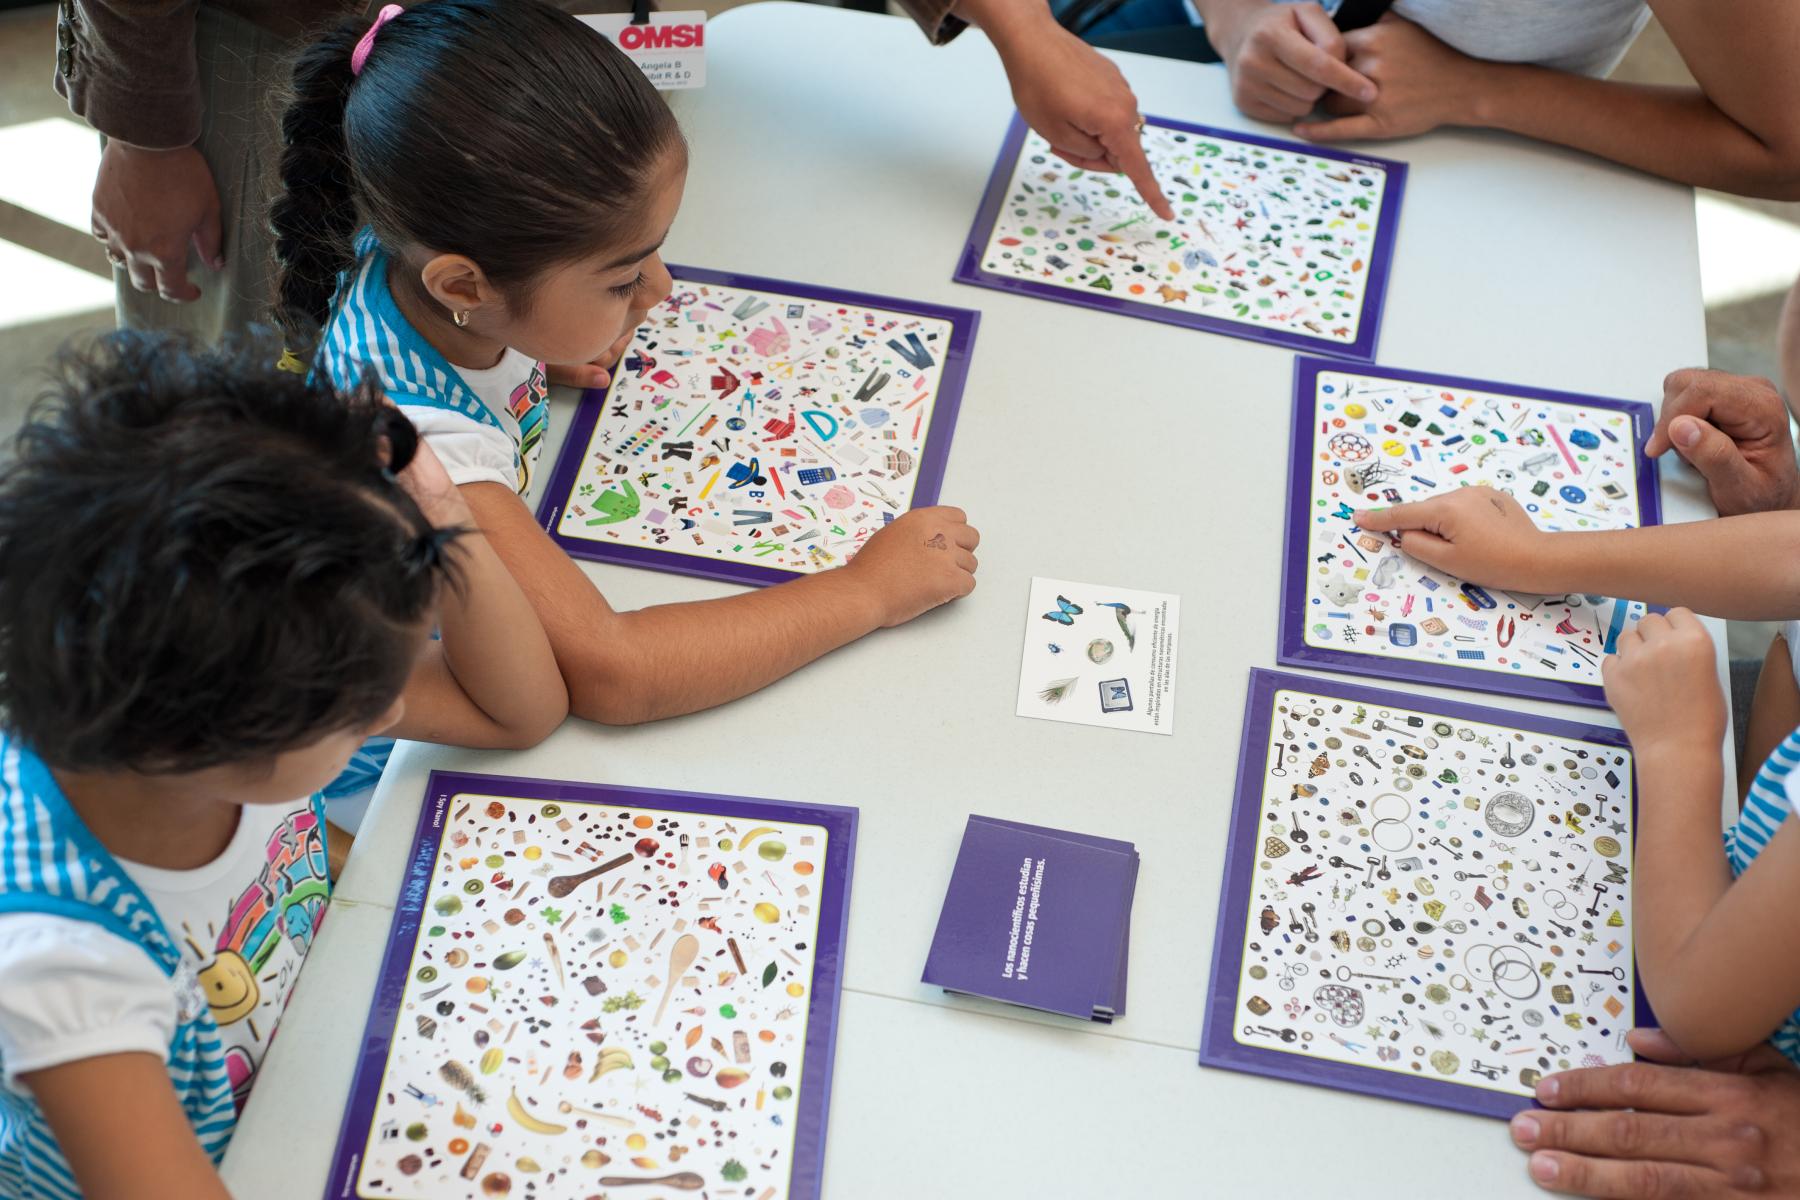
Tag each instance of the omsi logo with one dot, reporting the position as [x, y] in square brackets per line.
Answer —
[661, 37]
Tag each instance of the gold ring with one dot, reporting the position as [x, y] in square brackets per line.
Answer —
[116, 259]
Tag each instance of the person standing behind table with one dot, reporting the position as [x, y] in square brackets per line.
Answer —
[1535, 68]
[184, 95]
[180, 91]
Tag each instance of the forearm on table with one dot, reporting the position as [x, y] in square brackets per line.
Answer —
[632, 667]
[1743, 568]
[679, 658]
[1677, 133]
[496, 654]
[1717, 959]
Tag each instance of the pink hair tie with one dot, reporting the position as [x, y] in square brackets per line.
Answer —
[360, 55]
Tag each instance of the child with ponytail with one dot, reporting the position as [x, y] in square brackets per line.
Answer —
[473, 189]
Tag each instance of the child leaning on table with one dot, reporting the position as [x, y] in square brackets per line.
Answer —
[473, 189]
[216, 579]
[1716, 945]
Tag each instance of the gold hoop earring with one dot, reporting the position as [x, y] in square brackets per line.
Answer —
[461, 317]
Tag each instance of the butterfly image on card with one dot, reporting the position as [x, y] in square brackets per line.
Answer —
[1065, 613]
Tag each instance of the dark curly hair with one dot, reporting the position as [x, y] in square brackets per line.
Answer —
[503, 130]
[204, 559]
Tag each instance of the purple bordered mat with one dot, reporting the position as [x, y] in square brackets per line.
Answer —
[1219, 1047]
[1201, 270]
[828, 892]
[1499, 606]
[750, 494]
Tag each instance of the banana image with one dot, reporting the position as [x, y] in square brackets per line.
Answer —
[610, 1060]
[516, 1110]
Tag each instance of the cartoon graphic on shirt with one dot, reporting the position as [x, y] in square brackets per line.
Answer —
[288, 897]
[530, 407]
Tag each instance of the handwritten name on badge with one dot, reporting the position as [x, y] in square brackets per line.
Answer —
[670, 48]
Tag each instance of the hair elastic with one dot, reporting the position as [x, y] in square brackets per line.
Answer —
[360, 55]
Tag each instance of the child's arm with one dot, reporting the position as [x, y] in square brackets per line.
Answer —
[126, 1136]
[490, 681]
[1744, 568]
[1720, 960]
[631, 667]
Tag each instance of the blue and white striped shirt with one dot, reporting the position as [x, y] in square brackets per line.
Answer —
[486, 425]
[51, 864]
[1769, 803]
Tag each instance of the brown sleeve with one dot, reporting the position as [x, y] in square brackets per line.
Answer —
[935, 18]
[127, 67]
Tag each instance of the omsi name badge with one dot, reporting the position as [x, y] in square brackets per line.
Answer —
[670, 48]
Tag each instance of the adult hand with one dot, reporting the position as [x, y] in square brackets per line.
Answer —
[1719, 1130]
[1420, 84]
[1473, 533]
[1069, 92]
[150, 206]
[1733, 429]
[1283, 58]
[924, 558]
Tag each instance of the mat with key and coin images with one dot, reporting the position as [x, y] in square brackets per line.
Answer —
[1423, 899]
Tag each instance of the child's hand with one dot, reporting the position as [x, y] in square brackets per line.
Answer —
[426, 481]
[1475, 534]
[1663, 684]
[924, 559]
[596, 374]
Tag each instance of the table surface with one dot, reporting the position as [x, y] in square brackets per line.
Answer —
[839, 148]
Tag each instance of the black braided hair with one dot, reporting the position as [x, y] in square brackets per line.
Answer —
[314, 217]
[502, 130]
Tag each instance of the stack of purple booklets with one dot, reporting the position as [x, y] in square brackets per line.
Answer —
[1037, 917]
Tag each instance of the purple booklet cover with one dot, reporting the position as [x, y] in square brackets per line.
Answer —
[1037, 917]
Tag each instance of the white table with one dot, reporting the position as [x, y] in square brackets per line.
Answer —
[839, 148]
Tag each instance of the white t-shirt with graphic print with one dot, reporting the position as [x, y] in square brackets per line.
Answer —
[70, 989]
